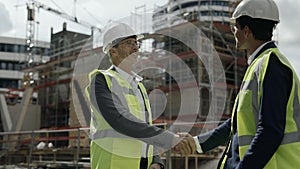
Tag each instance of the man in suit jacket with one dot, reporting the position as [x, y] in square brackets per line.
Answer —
[264, 131]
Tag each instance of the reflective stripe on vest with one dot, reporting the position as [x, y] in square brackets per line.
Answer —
[105, 137]
[248, 104]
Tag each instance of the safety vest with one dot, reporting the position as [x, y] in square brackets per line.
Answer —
[247, 106]
[110, 149]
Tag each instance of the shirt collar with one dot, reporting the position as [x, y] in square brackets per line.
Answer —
[253, 55]
[129, 77]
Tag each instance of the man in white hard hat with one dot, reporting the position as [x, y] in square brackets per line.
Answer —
[121, 126]
[264, 131]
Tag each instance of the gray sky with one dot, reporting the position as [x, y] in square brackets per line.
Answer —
[99, 12]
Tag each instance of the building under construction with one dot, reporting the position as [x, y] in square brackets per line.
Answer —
[61, 140]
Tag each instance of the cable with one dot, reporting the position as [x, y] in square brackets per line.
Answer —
[92, 16]
[57, 6]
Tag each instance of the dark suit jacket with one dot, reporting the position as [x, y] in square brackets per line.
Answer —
[271, 125]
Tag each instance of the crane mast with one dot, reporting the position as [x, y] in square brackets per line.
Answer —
[29, 43]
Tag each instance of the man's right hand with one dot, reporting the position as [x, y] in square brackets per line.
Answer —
[184, 144]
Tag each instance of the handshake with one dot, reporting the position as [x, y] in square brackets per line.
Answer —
[184, 144]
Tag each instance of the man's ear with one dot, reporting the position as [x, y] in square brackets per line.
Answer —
[247, 31]
[112, 51]
[113, 55]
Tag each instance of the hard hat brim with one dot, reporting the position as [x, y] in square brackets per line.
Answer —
[117, 41]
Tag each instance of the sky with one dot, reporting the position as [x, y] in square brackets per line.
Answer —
[99, 12]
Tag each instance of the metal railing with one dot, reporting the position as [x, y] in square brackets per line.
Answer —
[33, 148]
[30, 149]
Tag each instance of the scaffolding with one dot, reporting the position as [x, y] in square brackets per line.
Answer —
[219, 34]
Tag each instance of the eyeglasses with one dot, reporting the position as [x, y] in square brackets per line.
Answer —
[131, 43]
[233, 28]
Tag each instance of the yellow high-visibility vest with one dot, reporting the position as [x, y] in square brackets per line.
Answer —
[247, 106]
[110, 149]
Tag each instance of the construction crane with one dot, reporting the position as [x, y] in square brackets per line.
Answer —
[63, 15]
[32, 5]
[28, 79]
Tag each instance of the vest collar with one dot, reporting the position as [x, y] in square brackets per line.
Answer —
[129, 77]
[260, 49]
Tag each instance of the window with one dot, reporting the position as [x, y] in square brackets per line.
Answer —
[9, 66]
[2, 47]
[8, 83]
[217, 3]
[9, 48]
[46, 52]
[3, 65]
[16, 48]
[190, 4]
[17, 66]
[214, 13]
[21, 49]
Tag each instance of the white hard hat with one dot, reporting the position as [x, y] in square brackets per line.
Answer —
[117, 33]
[262, 9]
